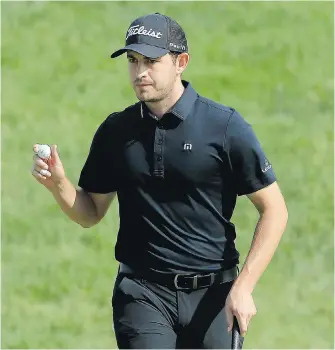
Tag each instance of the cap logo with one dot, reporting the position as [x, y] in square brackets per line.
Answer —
[137, 30]
[177, 47]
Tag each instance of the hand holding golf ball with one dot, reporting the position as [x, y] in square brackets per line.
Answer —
[47, 166]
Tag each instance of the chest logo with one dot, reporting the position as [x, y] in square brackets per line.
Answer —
[187, 146]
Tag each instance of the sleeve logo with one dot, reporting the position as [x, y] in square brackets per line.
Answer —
[267, 166]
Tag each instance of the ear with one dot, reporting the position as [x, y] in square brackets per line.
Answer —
[182, 62]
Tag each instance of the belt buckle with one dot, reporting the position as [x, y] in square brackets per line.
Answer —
[194, 285]
[195, 280]
[175, 282]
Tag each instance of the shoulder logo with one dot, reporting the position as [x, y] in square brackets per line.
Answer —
[267, 166]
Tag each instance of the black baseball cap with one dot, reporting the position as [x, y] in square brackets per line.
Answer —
[153, 36]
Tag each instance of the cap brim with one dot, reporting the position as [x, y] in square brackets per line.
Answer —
[143, 49]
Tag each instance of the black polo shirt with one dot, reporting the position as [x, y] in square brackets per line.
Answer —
[177, 181]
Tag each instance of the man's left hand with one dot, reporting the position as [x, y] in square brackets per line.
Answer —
[240, 303]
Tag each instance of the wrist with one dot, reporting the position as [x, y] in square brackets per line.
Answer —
[58, 186]
[243, 282]
[242, 286]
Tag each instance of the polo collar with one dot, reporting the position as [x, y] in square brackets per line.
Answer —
[183, 106]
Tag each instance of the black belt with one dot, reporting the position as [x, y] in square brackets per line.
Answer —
[184, 281]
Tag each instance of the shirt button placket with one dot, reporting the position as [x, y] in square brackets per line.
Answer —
[159, 151]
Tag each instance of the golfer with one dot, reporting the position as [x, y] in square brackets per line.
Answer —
[177, 162]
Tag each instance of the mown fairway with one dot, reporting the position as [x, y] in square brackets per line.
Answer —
[273, 62]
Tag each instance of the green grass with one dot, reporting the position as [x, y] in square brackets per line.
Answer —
[272, 61]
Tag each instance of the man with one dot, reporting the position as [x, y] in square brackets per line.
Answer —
[177, 162]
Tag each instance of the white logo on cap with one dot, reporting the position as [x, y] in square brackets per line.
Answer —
[136, 30]
[178, 47]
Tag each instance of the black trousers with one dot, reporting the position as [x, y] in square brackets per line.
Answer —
[150, 316]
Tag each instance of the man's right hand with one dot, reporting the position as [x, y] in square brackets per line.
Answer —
[48, 173]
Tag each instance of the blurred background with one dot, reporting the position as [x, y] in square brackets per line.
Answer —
[272, 61]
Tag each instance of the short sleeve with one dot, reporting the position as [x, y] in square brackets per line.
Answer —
[251, 168]
[100, 172]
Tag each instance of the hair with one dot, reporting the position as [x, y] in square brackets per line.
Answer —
[174, 56]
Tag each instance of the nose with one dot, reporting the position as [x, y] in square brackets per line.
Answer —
[141, 69]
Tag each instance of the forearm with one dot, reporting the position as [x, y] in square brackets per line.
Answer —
[269, 230]
[75, 203]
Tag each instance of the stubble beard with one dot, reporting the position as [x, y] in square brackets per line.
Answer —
[160, 95]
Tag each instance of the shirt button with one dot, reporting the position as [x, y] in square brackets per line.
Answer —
[160, 126]
[160, 141]
[159, 158]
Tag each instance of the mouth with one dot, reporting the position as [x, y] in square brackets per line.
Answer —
[143, 84]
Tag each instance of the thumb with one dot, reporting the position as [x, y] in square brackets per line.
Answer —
[54, 155]
[230, 319]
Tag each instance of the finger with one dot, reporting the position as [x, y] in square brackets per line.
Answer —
[40, 162]
[37, 175]
[35, 148]
[242, 323]
[230, 319]
[45, 173]
[250, 316]
[41, 171]
[37, 168]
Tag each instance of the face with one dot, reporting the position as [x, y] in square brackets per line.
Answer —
[154, 79]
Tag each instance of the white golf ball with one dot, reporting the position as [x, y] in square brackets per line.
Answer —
[44, 151]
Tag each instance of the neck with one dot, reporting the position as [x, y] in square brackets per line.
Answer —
[159, 108]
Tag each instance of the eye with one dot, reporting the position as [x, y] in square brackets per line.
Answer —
[131, 59]
[152, 61]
